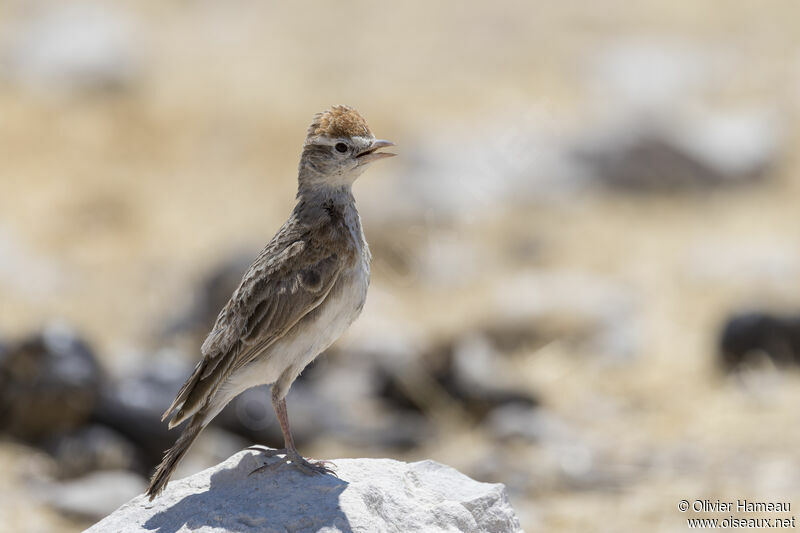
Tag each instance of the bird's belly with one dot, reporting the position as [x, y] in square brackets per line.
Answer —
[320, 328]
[313, 334]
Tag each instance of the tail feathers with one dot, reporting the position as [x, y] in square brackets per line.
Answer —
[173, 456]
[201, 385]
[186, 389]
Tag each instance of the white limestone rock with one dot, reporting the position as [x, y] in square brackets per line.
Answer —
[369, 495]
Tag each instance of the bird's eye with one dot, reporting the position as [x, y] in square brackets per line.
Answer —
[341, 148]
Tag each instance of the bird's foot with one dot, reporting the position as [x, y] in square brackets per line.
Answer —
[311, 467]
[292, 457]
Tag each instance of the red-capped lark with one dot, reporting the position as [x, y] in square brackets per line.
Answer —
[299, 295]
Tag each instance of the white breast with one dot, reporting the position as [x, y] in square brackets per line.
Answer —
[340, 309]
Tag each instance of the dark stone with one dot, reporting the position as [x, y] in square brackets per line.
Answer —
[93, 448]
[399, 430]
[49, 384]
[210, 297]
[648, 164]
[649, 161]
[477, 397]
[510, 336]
[133, 407]
[747, 335]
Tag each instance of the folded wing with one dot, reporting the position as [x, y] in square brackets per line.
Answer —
[291, 276]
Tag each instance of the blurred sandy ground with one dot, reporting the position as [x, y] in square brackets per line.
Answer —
[115, 200]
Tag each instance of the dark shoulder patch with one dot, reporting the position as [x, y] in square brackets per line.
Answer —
[334, 211]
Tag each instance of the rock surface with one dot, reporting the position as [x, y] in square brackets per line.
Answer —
[369, 495]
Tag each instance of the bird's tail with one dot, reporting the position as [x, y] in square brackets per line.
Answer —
[173, 456]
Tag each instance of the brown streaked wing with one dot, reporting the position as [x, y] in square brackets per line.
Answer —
[279, 289]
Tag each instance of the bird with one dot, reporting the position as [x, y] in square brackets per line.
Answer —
[299, 295]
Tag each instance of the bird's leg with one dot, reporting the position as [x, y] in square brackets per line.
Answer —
[289, 451]
[308, 467]
[283, 420]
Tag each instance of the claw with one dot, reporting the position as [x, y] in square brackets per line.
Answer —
[310, 468]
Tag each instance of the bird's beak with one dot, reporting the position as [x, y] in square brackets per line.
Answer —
[371, 153]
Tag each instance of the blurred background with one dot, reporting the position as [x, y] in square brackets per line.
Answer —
[586, 257]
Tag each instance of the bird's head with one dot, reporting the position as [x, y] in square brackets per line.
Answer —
[338, 147]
